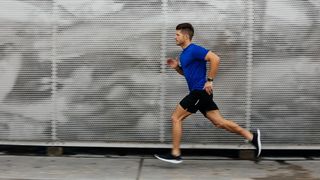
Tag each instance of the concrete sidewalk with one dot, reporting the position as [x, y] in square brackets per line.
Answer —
[87, 167]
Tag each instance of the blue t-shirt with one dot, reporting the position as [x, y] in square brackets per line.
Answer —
[193, 64]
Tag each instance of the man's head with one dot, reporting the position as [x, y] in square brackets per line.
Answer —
[184, 33]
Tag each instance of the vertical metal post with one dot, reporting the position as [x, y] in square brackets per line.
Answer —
[164, 6]
[54, 71]
[250, 16]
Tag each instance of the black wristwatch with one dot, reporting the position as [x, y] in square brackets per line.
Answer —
[210, 79]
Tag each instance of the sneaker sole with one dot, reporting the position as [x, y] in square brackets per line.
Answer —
[259, 142]
[170, 161]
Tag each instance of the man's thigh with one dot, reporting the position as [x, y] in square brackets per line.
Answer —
[180, 113]
[214, 115]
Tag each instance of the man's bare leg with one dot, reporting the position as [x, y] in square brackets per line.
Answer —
[177, 117]
[216, 118]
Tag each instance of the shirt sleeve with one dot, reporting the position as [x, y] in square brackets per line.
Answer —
[200, 53]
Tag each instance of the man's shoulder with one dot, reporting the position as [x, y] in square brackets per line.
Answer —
[196, 46]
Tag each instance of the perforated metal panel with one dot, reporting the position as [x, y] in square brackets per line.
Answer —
[93, 73]
[25, 70]
[286, 71]
[108, 71]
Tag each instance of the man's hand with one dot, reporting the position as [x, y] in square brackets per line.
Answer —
[173, 63]
[208, 87]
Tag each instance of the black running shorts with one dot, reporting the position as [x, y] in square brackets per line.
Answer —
[198, 100]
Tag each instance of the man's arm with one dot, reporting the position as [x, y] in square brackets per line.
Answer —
[179, 70]
[173, 63]
[214, 61]
[214, 64]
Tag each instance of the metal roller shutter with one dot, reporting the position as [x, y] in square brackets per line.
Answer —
[93, 72]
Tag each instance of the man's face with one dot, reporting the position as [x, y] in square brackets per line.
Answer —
[181, 37]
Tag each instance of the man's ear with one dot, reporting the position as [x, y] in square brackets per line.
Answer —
[186, 35]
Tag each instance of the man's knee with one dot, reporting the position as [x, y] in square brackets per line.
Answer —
[175, 119]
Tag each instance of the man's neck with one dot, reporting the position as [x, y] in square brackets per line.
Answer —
[185, 45]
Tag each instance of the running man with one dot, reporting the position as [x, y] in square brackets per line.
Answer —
[193, 61]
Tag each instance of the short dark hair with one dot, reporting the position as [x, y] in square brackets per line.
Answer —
[187, 28]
